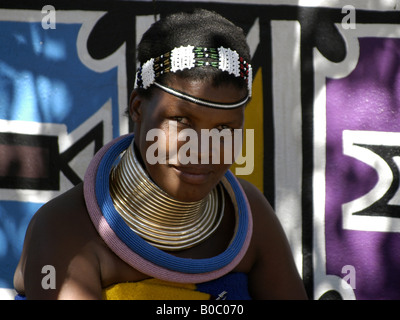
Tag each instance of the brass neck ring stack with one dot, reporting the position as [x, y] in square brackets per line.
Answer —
[164, 222]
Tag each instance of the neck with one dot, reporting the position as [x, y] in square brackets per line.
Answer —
[158, 218]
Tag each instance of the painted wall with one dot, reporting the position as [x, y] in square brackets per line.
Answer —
[325, 115]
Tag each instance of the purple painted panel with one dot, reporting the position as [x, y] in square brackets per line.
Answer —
[369, 100]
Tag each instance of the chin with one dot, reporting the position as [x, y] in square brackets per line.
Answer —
[187, 192]
[191, 194]
[181, 189]
[185, 183]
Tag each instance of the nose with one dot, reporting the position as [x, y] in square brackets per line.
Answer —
[216, 146]
[205, 146]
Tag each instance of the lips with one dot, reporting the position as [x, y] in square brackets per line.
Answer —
[193, 174]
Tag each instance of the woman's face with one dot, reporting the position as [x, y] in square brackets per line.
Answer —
[170, 115]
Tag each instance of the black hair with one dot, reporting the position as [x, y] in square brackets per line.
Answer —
[199, 28]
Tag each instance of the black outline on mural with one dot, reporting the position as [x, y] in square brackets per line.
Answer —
[317, 31]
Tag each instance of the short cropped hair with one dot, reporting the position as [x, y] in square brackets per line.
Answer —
[199, 28]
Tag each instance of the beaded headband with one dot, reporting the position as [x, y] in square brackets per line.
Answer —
[189, 57]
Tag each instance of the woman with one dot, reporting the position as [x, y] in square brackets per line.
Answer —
[145, 229]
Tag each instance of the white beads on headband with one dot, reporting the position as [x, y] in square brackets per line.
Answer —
[187, 57]
[147, 74]
[182, 58]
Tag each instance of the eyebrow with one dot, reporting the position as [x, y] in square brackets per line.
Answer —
[203, 102]
[192, 110]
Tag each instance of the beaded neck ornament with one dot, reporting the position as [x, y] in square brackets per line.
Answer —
[140, 254]
[166, 223]
[187, 57]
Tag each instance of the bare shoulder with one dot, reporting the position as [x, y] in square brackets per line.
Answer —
[274, 274]
[256, 199]
[264, 217]
[62, 236]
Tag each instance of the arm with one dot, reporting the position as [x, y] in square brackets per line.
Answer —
[274, 274]
[57, 236]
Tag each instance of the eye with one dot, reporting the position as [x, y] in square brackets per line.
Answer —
[181, 120]
[178, 119]
[223, 127]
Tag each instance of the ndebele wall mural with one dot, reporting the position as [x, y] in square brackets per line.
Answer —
[325, 114]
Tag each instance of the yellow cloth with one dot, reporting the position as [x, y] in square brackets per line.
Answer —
[153, 289]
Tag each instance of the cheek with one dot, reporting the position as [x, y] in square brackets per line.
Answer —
[156, 143]
[170, 144]
[227, 151]
[221, 149]
[187, 146]
[171, 139]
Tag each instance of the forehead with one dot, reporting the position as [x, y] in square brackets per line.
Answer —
[206, 89]
[162, 101]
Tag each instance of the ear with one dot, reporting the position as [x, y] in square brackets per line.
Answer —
[135, 107]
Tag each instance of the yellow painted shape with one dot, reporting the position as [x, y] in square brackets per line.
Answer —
[153, 289]
[254, 115]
